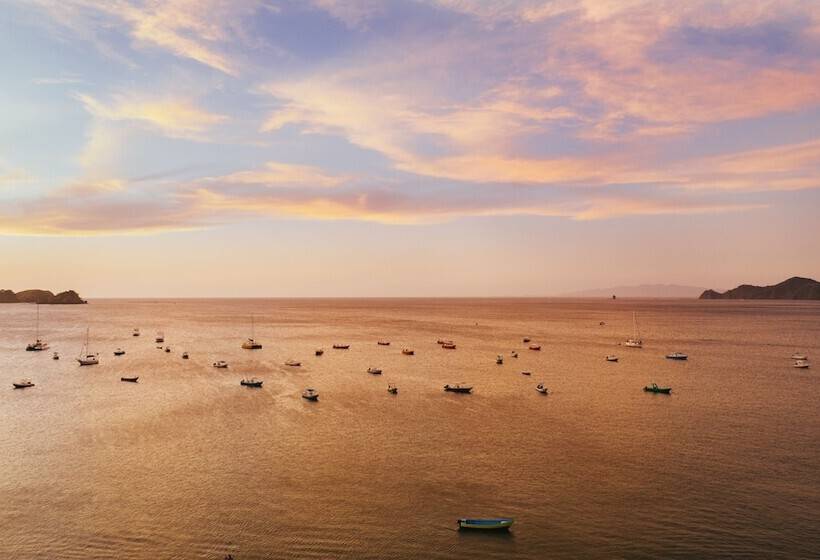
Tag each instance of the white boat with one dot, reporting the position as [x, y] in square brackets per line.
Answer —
[514, 354]
[392, 389]
[86, 358]
[136, 332]
[635, 341]
[168, 349]
[160, 338]
[293, 363]
[221, 364]
[801, 364]
[541, 389]
[374, 370]
[251, 343]
[612, 358]
[55, 356]
[536, 347]
[677, 356]
[23, 384]
[799, 356]
[310, 394]
[499, 359]
[119, 352]
[38, 345]
[185, 355]
[408, 351]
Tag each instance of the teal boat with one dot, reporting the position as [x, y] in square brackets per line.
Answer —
[487, 524]
[655, 389]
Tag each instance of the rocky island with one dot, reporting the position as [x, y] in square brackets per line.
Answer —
[793, 288]
[44, 297]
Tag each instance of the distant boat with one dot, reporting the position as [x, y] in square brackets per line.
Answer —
[167, 348]
[130, 379]
[341, 346]
[392, 389]
[407, 351]
[119, 352]
[252, 382]
[449, 346]
[458, 388]
[221, 364]
[526, 373]
[612, 358]
[526, 339]
[541, 389]
[185, 355]
[499, 359]
[536, 347]
[319, 351]
[251, 343]
[160, 338]
[136, 332]
[514, 354]
[55, 356]
[653, 388]
[293, 363]
[23, 384]
[635, 341]
[601, 323]
[86, 358]
[38, 345]
[677, 356]
[374, 370]
[801, 364]
[310, 394]
[489, 524]
[798, 356]
[383, 343]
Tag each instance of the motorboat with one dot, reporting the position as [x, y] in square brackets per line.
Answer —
[801, 364]
[486, 524]
[185, 355]
[23, 384]
[319, 351]
[383, 343]
[449, 346]
[458, 388]
[392, 389]
[251, 343]
[526, 339]
[514, 354]
[135, 332]
[310, 394]
[653, 388]
[635, 341]
[38, 345]
[374, 370]
[119, 352]
[341, 346]
[160, 338]
[130, 379]
[221, 364]
[167, 349]
[526, 373]
[536, 347]
[252, 382]
[612, 358]
[408, 351]
[499, 359]
[293, 363]
[677, 356]
[799, 356]
[542, 389]
[55, 356]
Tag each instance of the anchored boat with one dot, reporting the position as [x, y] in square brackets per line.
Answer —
[392, 389]
[130, 379]
[635, 341]
[374, 370]
[23, 384]
[252, 382]
[536, 347]
[486, 524]
[38, 345]
[677, 356]
[341, 346]
[119, 352]
[541, 389]
[383, 343]
[612, 358]
[801, 364]
[653, 388]
[221, 364]
[458, 388]
[293, 363]
[310, 394]
[86, 358]
[407, 351]
[250, 343]
[319, 352]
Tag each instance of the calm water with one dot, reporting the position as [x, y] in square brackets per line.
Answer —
[189, 464]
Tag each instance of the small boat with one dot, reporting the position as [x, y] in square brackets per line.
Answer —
[159, 347]
[23, 384]
[130, 379]
[251, 343]
[677, 356]
[458, 388]
[487, 524]
[408, 351]
[86, 358]
[798, 356]
[655, 389]
[526, 339]
[252, 382]
[526, 373]
[635, 341]
[601, 324]
[135, 332]
[612, 358]
[536, 347]
[221, 364]
[160, 338]
[801, 364]
[383, 343]
[38, 345]
[167, 348]
[449, 346]
[293, 363]
[514, 354]
[499, 359]
[374, 370]
[310, 394]
[341, 346]
[119, 352]
[319, 351]
[185, 355]
[55, 356]
[392, 389]
[541, 389]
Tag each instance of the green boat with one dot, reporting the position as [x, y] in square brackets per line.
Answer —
[487, 524]
[655, 389]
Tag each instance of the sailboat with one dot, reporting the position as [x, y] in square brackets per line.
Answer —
[635, 341]
[86, 358]
[251, 344]
[38, 345]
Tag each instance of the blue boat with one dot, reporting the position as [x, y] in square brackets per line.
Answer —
[486, 524]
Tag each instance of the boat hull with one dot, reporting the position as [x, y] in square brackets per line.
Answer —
[500, 524]
[130, 379]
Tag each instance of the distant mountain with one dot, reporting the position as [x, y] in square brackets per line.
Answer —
[793, 288]
[644, 291]
[41, 296]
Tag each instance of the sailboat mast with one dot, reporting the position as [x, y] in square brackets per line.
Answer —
[37, 329]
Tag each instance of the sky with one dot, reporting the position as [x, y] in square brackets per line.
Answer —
[406, 148]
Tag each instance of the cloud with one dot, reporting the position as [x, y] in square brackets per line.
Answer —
[284, 174]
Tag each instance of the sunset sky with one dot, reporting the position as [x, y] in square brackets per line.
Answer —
[387, 148]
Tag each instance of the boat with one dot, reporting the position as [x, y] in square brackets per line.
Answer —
[408, 351]
[374, 370]
[612, 358]
[514, 354]
[499, 359]
[167, 348]
[601, 323]
[135, 332]
[677, 356]
[392, 389]
[801, 364]
[383, 343]
[221, 364]
[653, 388]
[86, 358]
[486, 524]
[130, 379]
[310, 394]
[185, 355]
[536, 347]
[541, 389]
[160, 338]
[251, 343]
[23, 384]
[449, 346]
[38, 345]
[341, 346]
[799, 356]
[55, 356]
[458, 388]
[119, 352]
[319, 351]
[252, 382]
[526, 373]
[526, 339]
[293, 363]
[635, 341]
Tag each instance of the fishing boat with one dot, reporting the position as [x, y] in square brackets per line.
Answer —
[499, 359]
[252, 382]
[251, 343]
[374, 370]
[221, 364]
[319, 351]
[55, 356]
[526, 339]
[383, 343]
[799, 356]
[541, 389]
[185, 355]
[86, 358]
[801, 364]
[310, 394]
[167, 349]
[677, 356]
[653, 388]
[23, 384]
[486, 524]
[38, 345]
[458, 388]
[612, 358]
[160, 338]
[408, 351]
[293, 363]
[130, 379]
[526, 373]
[635, 341]
[449, 346]
[135, 332]
[536, 347]
[341, 346]
[392, 389]
[119, 352]
[514, 354]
